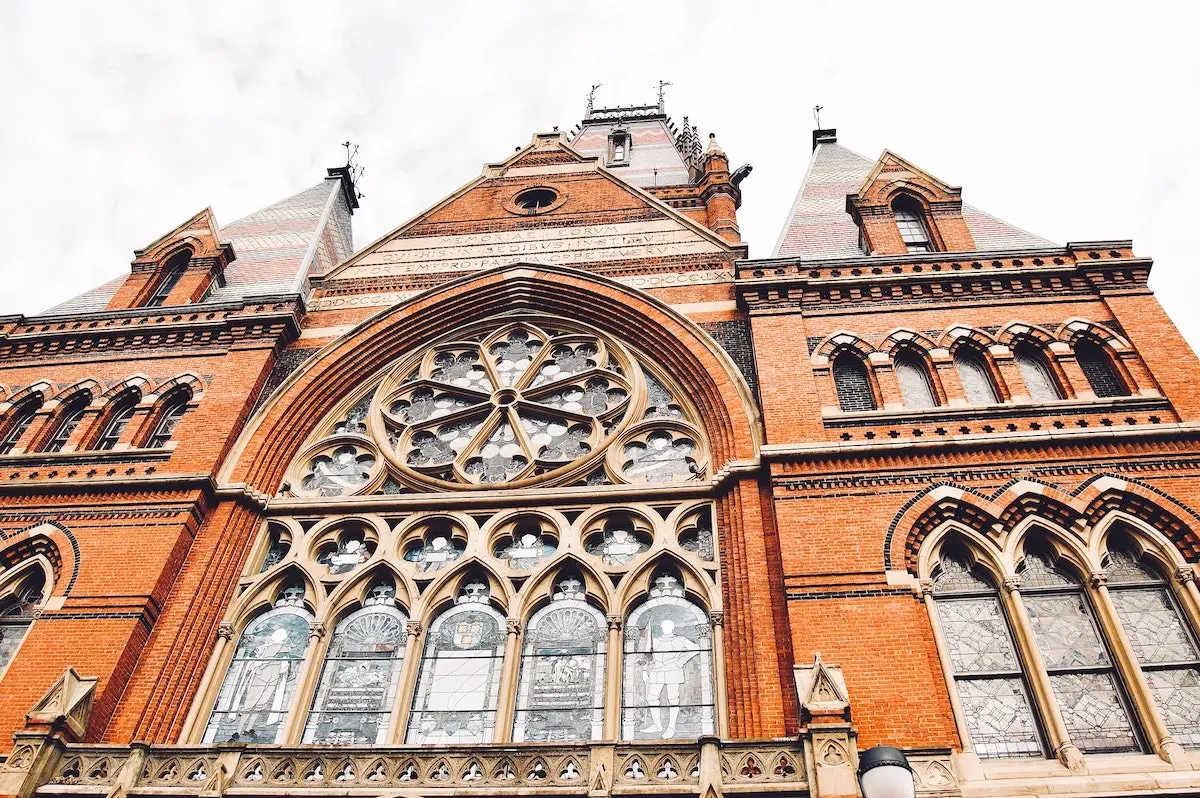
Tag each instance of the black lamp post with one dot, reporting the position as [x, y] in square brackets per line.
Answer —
[883, 772]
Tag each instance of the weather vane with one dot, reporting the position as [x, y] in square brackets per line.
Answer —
[817, 115]
[356, 170]
[592, 96]
[662, 89]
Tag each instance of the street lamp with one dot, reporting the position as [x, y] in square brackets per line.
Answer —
[883, 772]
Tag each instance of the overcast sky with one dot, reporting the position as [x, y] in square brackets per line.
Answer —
[1076, 121]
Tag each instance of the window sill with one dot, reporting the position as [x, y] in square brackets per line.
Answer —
[835, 418]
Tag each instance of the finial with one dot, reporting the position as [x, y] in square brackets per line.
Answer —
[713, 147]
[817, 115]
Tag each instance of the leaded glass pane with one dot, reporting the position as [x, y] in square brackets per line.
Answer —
[1092, 710]
[1099, 369]
[1039, 571]
[668, 688]
[976, 381]
[955, 576]
[618, 544]
[116, 426]
[662, 457]
[261, 681]
[344, 556]
[977, 635]
[18, 428]
[1039, 381]
[561, 691]
[1124, 568]
[16, 615]
[341, 471]
[1177, 693]
[1065, 633]
[459, 683]
[999, 718]
[660, 403]
[358, 682]
[915, 387]
[435, 551]
[852, 383]
[526, 548]
[167, 425]
[66, 428]
[1155, 629]
[698, 538]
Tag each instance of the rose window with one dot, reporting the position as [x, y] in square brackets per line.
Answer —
[535, 401]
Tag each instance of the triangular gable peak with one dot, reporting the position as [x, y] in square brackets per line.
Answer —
[587, 216]
[893, 181]
[200, 233]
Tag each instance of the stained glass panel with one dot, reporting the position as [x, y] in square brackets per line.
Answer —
[1039, 381]
[1093, 712]
[1065, 632]
[261, 681]
[1177, 693]
[976, 381]
[998, 717]
[977, 635]
[339, 472]
[16, 614]
[358, 682]
[1124, 568]
[955, 576]
[618, 544]
[915, 387]
[668, 688]
[526, 548]
[459, 683]
[1153, 625]
[561, 691]
[435, 551]
[663, 457]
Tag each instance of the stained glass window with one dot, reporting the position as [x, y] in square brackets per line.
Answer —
[116, 426]
[1039, 380]
[561, 689]
[170, 419]
[16, 613]
[668, 683]
[852, 383]
[913, 377]
[172, 272]
[697, 536]
[341, 471]
[362, 670]
[260, 684]
[987, 671]
[438, 548]
[22, 419]
[68, 419]
[976, 379]
[1081, 671]
[277, 549]
[1162, 643]
[1099, 369]
[620, 541]
[662, 457]
[459, 683]
[527, 546]
[343, 555]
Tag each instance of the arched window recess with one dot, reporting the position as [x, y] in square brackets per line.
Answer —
[23, 591]
[1095, 360]
[172, 273]
[21, 418]
[173, 408]
[1040, 380]
[852, 382]
[912, 224]
[913, 377]
[67, 419]
[118, 418]
[975, 374]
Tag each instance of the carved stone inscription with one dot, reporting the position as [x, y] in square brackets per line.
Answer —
[554, 245]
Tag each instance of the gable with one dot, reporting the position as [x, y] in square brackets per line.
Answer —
[598, 220]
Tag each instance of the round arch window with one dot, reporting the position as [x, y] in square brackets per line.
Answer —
[536, 200]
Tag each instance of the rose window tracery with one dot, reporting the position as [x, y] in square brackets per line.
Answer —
[507, 404]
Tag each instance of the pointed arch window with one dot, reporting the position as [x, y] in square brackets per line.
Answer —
[1081, 671]
[1039, 379]
[987, 671]
[852, 382]
[668, 682]
[975, 376]
[172, 273]
[459, 684]
[22, 420]
[260, 683]
[910, 221]
[361, 674]
[69, 419]
[560, 695]
[916, 388]
[164, 430]
[1098, 367]
[16, 612]
[1162, 643]
[117, 423]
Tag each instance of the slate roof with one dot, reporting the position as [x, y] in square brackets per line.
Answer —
[276, 247]
[653, 148]
[819, 227]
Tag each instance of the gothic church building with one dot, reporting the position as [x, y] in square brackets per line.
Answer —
[554, 490]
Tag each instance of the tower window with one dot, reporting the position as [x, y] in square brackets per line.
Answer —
[852, 383]
[618, 147]
[910, 220]
[915, 386]
[167, 423]
[116, 425]
[975, 376]
[1039, 379]
[72, 414]
[1099, 370]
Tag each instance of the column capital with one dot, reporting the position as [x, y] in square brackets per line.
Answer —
[413, 628]
[717, 618]
[1098, 579]
[926, 586]
[226, 631]
[615, 623]
[513, 626]
[1012, 584]
[316, 631]
[1185, 574]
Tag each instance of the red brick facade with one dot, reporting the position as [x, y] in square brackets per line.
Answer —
[829, 518]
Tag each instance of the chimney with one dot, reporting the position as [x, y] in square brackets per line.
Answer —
[826, 136]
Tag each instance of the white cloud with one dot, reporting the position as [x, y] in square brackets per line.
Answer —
[1074, 120]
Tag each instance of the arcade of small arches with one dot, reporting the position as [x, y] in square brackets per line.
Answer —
[536, 402]
[84, 417]
[1065, 640]
[1023, 364]
[441, 628]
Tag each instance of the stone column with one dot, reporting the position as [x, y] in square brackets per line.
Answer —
[720, 701]
[193, 724]
[613, 661]
[406, 692]
[311, 671]
[505, 706]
